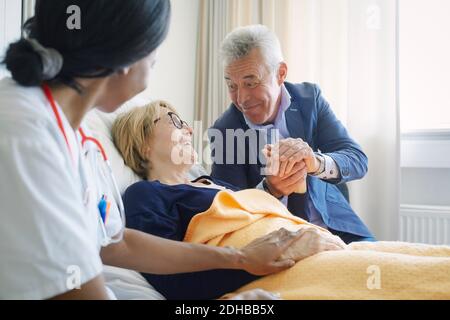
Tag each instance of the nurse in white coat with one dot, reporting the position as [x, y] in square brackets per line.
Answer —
[52, 205]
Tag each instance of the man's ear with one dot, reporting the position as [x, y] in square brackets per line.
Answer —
[282, 73]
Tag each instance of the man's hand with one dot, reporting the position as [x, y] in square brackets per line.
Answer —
[263, 255]
[287, 152]
[312, 240]
[288, 163]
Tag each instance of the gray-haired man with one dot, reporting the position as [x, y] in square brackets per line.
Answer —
[313, 146]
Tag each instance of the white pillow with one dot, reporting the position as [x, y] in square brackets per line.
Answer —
[100, 124]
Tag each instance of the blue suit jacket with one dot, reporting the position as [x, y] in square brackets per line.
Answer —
[310, 118]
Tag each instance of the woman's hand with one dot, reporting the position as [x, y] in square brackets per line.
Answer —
[311, 241]
[264, 255]
[255, 294]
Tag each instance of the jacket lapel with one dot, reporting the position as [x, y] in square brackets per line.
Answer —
[294, 120]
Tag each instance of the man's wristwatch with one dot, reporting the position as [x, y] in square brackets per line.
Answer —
[321, 169]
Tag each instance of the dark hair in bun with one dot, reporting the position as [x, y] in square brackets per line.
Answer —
[24, 63]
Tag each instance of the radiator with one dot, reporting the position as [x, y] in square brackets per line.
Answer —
[425, 224]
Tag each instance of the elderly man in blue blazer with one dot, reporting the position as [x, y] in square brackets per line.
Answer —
[295, 120]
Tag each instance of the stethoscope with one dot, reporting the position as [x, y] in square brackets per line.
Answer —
[102, 206]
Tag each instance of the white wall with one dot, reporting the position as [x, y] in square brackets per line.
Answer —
[173, 78]
[425, 186]
[10, 22]
[425, 174]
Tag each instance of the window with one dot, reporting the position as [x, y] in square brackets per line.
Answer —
[424, 64]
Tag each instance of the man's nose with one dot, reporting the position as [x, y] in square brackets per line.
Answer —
[242, 96]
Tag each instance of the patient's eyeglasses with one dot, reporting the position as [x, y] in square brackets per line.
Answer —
[177, 122]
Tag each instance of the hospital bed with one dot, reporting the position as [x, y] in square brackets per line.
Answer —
[125, 284]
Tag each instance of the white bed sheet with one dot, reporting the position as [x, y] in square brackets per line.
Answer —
[129, 285]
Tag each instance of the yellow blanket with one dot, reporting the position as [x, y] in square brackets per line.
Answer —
[378, 270]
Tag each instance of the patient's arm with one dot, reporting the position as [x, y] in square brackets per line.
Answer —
[149, 254]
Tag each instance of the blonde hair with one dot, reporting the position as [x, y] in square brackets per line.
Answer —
[131, 132]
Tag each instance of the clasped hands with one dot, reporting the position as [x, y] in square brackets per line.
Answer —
[287, 164]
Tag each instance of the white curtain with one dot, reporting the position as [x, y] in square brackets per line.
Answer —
[211, 93]
[348, 47]
[373, 113]
[28, 9]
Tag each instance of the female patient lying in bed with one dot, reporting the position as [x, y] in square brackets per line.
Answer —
[157, 145]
